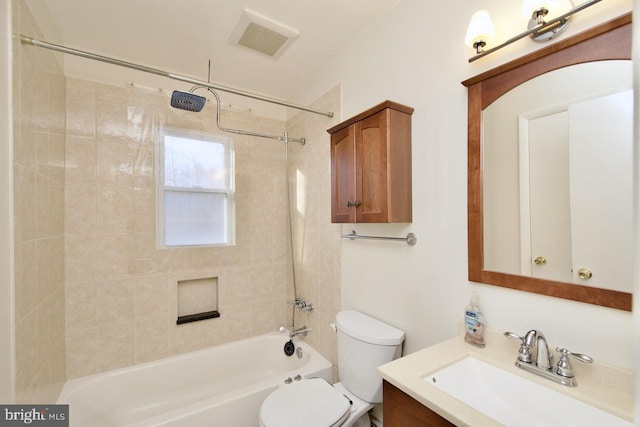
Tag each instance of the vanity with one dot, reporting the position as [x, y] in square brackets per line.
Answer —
[411, 399]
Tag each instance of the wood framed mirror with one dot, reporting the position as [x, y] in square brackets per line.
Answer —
[609, 41]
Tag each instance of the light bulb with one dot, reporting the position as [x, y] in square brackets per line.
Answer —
[480, 29]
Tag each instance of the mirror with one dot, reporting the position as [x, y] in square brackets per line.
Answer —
[557, 177]
[531, 226]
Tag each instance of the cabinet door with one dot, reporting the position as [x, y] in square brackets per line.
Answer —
[371, 168]
[343, 175]
[401, 410]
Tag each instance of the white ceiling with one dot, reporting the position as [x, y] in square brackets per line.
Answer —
[182, 35]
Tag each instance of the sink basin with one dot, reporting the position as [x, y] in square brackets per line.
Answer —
[515, 401]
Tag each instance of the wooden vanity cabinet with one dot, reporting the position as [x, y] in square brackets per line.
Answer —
[401, 410]
[371, 166]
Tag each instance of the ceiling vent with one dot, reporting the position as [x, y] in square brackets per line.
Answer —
[261, 34]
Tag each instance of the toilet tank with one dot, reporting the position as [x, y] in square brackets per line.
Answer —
[364, 343]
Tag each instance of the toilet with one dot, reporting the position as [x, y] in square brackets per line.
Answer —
[364, 343]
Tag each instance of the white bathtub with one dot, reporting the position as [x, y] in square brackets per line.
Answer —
[218, 386]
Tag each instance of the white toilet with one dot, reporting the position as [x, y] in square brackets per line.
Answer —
[364, 343]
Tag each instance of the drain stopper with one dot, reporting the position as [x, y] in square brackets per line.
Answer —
[289, 348]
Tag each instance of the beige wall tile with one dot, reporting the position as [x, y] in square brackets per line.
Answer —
[113, 256]
[112, 120]
[114, 209]
[152, 297]
[80, 162]
[27, 352]
[152, 339]
[144, 211]
[81, 109]
[115, 162]
[81, 306]
[26, 291]
[49, 269]
[26, 204]
[116, 345]
[115, 302]
[80, 258]
[82, 352]
[39, 156]
[81, 210]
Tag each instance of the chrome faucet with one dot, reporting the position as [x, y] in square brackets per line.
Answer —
[543, 365]
[300, 331]
[543, 356]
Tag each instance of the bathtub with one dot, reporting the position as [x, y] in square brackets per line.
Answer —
[218, 386]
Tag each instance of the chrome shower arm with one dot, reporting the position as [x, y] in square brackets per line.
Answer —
[284, 138]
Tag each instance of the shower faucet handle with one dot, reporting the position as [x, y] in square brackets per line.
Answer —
[297, 303]
[301, 305]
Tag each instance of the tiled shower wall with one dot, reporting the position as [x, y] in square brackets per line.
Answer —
[88, 192]
[316, 239]
[121, 292]
[85, 236]
[39, 176]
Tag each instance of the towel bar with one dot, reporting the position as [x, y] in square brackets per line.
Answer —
[411, 238]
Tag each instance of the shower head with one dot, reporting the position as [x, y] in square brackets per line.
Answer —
[187, 101]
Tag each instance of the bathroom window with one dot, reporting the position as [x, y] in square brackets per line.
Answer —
[195, 189]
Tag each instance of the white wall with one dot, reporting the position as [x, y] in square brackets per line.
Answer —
[416, 55]
[636, 204]
[7, 377]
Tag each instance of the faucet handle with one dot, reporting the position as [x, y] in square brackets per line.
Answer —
[581, 357]
[524, 354]
[513, 336]
[564, 367]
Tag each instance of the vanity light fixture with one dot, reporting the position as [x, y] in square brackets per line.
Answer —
[480, 29]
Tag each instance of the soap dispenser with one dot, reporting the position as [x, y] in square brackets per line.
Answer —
[474, 324]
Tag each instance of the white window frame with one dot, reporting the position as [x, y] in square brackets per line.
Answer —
[229, 191]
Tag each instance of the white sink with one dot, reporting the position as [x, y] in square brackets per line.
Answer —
[515, 401]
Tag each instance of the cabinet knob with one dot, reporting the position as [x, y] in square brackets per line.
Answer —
[353, 204]
[540, 261]
[585, 274]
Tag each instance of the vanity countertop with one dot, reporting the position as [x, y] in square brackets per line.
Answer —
[600, 385]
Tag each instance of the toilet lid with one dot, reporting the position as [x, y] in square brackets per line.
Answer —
[309, 403]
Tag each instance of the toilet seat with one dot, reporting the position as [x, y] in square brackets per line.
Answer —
[310, 403]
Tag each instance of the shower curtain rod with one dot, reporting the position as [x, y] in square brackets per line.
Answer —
[133, 66]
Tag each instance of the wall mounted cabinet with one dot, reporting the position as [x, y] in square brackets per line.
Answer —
[371, 166]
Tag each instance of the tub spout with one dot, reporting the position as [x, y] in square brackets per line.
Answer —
[300, 331]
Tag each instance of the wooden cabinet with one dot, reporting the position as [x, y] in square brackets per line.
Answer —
[401, 410]
[371, 166]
